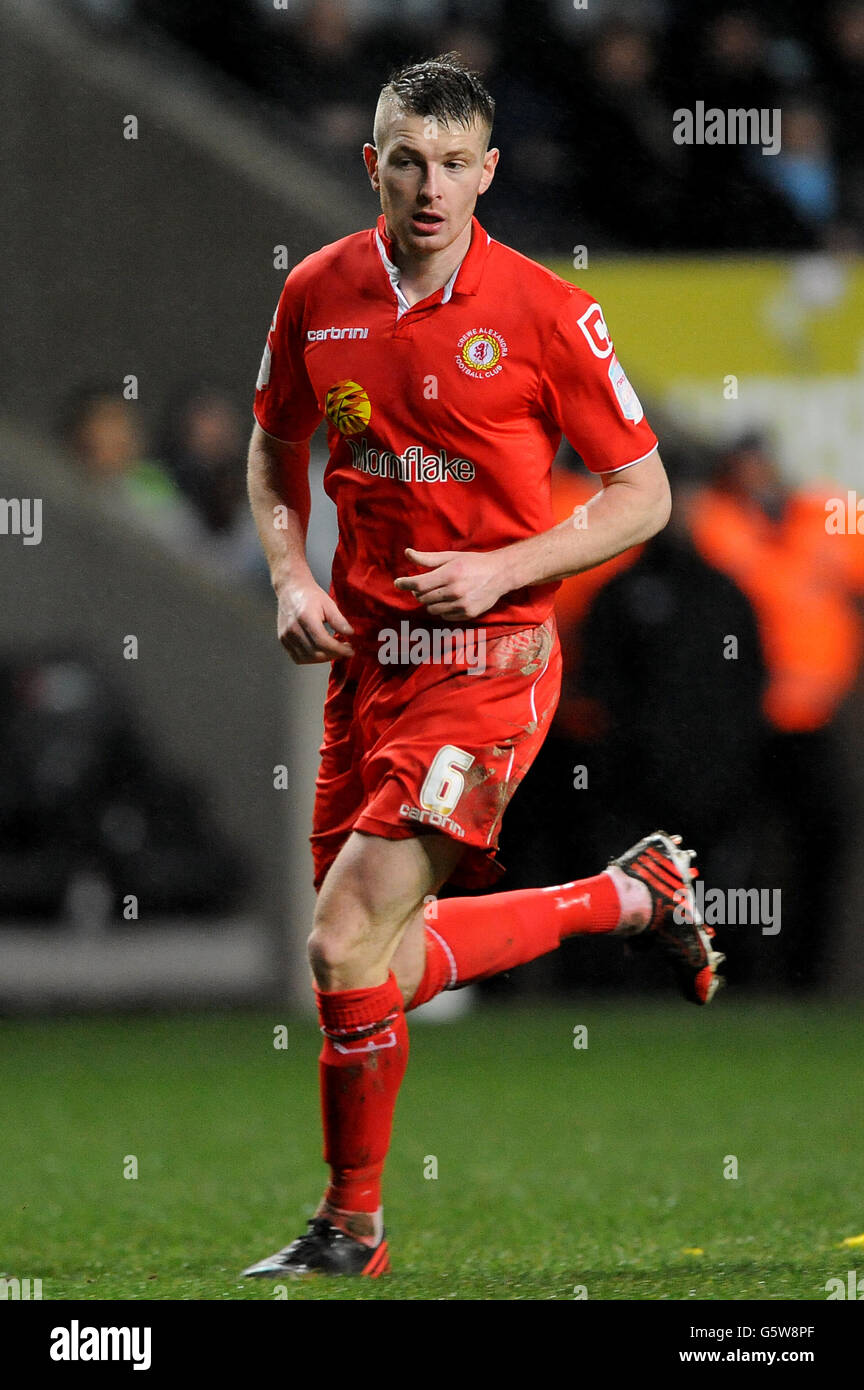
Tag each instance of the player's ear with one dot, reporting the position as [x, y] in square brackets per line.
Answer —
[370, 158]
[490, 160]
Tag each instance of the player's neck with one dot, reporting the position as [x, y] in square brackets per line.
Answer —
[420, 276]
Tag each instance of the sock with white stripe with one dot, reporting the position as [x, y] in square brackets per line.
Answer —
[469, 939]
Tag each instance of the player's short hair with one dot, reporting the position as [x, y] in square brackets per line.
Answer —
[441, 87]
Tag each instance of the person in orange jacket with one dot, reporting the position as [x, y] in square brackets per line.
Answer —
[799, 557]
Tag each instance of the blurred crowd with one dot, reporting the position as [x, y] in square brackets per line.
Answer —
[709, 676]
[189, 490]
[709, 672]
[90, 808]
[708, 680]
[585, 99]
[187, 486]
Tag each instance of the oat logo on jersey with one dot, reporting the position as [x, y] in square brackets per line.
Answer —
[596, 333]
[480, 352]
[631, 406]
[347, 406]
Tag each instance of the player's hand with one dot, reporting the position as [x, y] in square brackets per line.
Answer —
[458, 584]
[306, 613]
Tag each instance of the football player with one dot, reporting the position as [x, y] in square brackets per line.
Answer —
[447, 366]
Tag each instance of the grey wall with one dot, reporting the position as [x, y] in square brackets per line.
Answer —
[151, 256]
[154, 257]
[212, 689]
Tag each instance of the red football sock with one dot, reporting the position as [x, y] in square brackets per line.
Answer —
[361, 1066]
[470, 939]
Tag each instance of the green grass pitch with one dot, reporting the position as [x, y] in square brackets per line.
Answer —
[557, 1167]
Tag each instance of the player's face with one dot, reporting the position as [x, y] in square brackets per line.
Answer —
[429, 179]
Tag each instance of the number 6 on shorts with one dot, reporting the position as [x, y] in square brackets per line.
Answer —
[444, 782]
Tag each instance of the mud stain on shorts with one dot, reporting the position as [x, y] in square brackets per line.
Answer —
[526, 651]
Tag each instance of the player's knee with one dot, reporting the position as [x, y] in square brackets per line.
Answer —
[332, 946]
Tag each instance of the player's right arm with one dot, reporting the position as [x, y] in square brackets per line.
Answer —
[278, 481]
[286, 409]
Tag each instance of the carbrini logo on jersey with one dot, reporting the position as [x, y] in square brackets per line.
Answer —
[348, 407]
[481, 352]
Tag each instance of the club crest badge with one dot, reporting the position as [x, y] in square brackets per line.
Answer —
[481, 352]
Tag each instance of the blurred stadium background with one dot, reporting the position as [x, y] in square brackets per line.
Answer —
[166, 163]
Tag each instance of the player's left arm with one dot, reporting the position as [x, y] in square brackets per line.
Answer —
[633, 505]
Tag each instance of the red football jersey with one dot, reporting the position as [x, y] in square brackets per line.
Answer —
[444, 417]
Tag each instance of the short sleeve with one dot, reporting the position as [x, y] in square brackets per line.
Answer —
[584, 390]
[285, 403]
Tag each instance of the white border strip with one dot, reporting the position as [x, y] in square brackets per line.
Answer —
[620, 469]
[454, 973]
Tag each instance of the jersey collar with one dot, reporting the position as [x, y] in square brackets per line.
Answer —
[465, 278]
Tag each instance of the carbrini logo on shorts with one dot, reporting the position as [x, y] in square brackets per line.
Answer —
[348, 407]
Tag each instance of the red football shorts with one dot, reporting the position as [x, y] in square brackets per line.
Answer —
[434, 746]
